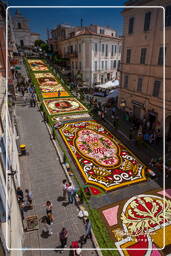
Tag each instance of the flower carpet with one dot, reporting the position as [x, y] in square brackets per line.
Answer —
[37, 65]
[102, 160]
[140, 225]
[50, 86]
[64, 106]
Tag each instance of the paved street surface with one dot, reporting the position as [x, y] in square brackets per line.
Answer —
[42, 174]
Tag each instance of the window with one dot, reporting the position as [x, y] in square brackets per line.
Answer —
[143, 55]
[19, 25]
[114, 64]
[168, 16]
[131, 25]
[102, 31]
[111, 64]
[128, 56]
[102, 49]
[160, 57]
[102, 64]
[139, 85]
[95, 65]
[147, 21]
[156, 88]
[21, 43]
[119, 64]
[115, 48]
[126, 81]
[106, 50]
[106, 65]
[95, 48]
[112, 52]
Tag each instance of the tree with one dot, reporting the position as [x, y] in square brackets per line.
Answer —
[39, 42]
[44, 47]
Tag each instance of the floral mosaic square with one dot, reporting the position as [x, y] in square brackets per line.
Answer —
[100, 157]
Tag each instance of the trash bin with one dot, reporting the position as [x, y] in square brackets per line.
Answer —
[23, 149]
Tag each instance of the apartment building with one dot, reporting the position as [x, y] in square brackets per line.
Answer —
[142, 72]
[94, 52]
[11, 228]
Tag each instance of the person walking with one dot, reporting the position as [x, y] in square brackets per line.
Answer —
[28, 198]
[65, 185]
[33, 96]
[49, 207]
[70, 192]
[47, 225]
[20, 195]
[88, 230]
[63, 236]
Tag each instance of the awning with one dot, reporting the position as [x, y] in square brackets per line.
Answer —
[108, 85]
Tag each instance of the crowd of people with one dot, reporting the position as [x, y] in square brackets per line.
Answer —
[25, 87]
[69, 194]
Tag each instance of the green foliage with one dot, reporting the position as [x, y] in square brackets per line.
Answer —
[44, 47]
[39, 42]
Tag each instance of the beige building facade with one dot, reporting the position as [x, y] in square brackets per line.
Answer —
[142, 72]
[94, 52]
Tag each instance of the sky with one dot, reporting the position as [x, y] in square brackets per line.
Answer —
[42, 19]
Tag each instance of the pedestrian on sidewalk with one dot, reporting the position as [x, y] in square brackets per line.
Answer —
[70, 193]
[28, 198]
[20, 195]
[25, 99]
[22, 91]
[33, 96]
[102, 115]
[46, 225]
[63, 236]
[49, 207]
[88, 230]
[65, 185]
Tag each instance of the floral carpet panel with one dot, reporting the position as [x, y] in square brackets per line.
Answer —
[37, 65]
[141, 225]
[64, 106]
[102, 160]
[49, 85]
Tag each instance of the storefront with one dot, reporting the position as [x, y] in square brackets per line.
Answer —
[138, 109]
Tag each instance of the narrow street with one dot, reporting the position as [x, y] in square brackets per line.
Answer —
[43, 175]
